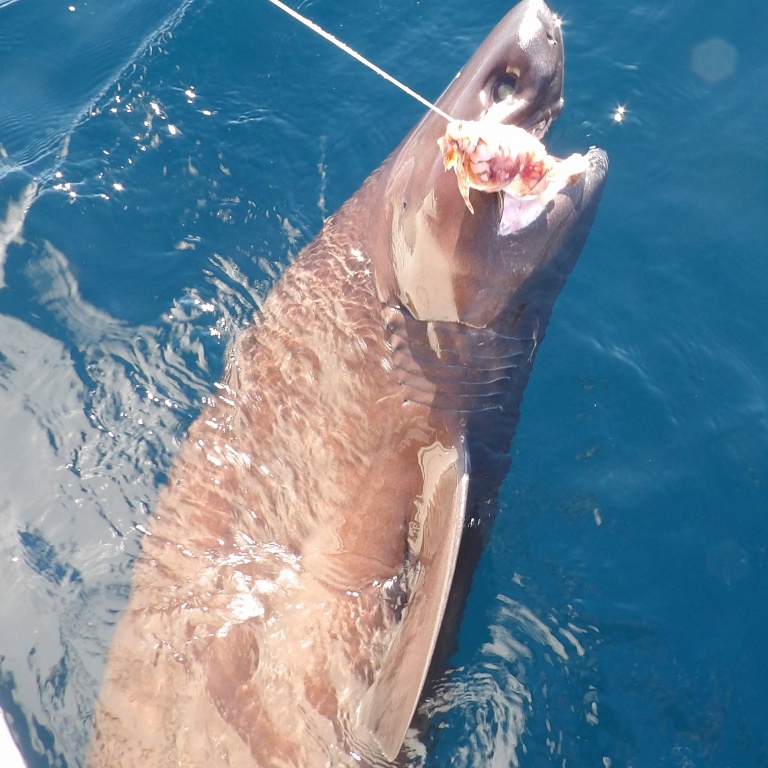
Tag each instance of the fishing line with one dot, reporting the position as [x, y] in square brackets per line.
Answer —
[355, 55]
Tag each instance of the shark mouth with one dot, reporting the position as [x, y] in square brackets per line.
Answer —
[492, 157]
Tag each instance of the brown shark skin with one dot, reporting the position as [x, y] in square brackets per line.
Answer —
[314, 352]
[285, 591]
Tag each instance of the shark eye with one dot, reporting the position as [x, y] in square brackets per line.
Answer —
[504, 87]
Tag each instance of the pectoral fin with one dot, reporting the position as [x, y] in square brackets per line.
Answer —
[433, 540]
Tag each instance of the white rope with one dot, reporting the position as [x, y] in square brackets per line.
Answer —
[355, 55]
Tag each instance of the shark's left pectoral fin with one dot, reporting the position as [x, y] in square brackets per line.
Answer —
[433, 541]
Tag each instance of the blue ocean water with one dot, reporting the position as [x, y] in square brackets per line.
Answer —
[160, 163]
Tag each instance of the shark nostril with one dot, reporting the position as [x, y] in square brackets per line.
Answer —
[551, 31]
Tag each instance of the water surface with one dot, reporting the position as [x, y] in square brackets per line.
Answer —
[160, 163]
